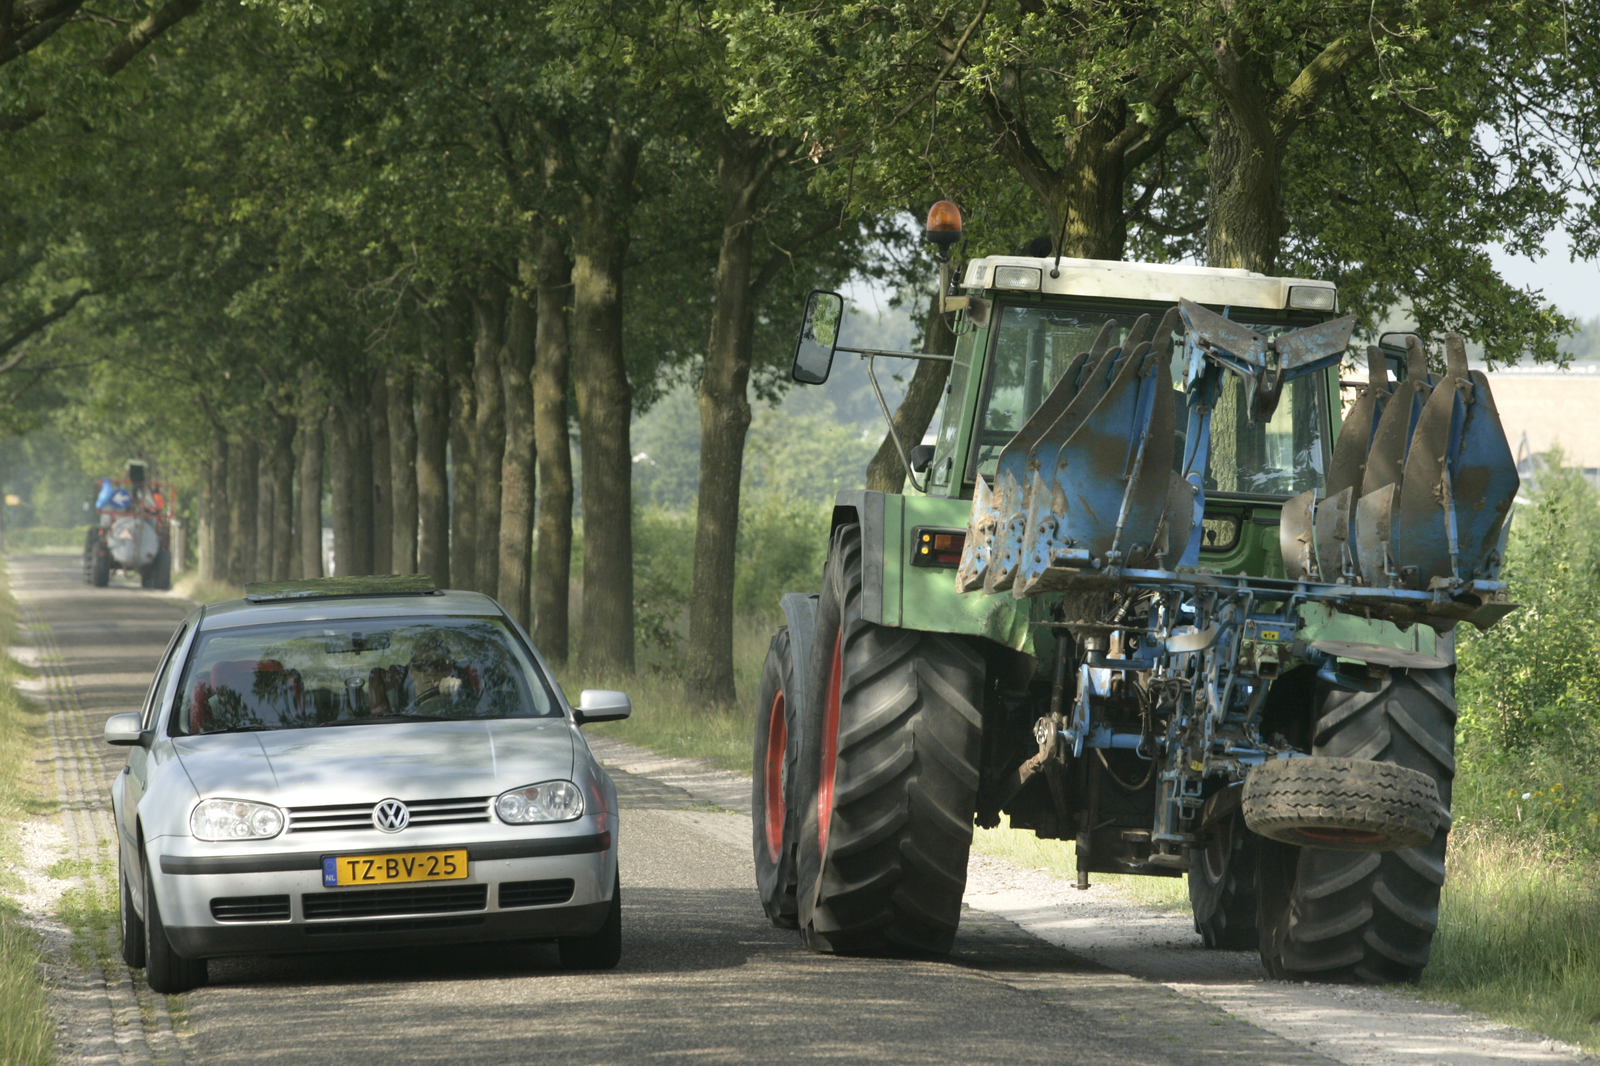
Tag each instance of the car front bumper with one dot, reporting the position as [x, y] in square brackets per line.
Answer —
[276, 903]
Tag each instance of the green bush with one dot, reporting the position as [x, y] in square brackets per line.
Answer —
[46, 538]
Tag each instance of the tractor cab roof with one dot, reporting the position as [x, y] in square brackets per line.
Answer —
[1147, 282]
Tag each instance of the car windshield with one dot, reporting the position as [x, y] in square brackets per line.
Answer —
[1033, 346]
[358, 672]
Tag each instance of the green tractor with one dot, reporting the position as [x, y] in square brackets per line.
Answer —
[1164, 588]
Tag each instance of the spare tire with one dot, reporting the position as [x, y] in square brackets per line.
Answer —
[1341, 804]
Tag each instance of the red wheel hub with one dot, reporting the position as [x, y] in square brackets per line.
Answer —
[777, 742]
[1341, 836]
[830, 745]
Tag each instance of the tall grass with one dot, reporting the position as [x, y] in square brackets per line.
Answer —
[1519, 938]
[27, 1034]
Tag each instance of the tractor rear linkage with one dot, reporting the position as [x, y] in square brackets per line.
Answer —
[1090, 504]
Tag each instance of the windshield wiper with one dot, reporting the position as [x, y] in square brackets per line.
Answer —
[391, 718]
[237, 729]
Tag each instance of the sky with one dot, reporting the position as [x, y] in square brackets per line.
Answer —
[1573, 287]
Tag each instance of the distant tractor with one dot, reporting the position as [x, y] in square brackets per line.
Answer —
[132, 531]
[1155, 592]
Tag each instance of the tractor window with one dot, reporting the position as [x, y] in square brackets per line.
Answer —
[1033, 346]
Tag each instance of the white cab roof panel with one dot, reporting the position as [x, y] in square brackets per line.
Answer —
[1155, 282]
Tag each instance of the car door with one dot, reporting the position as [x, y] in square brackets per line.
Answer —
[136, 774]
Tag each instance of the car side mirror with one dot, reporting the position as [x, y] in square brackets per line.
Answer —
[125, 730]
[819, 336]
[603, 705]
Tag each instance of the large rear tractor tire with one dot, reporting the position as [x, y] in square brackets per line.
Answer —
[889, 775]
[1222, 885]
[100, 570]
[161, 571]
[1365, 915]
[772, 811]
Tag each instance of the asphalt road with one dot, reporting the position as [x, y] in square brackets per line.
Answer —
[704, 977]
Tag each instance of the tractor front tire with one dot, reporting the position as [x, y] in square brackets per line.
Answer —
[1365, 916]
[1222, 885]
[889, 767]
[772, 811]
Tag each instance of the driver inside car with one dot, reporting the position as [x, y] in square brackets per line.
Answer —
[431, 674]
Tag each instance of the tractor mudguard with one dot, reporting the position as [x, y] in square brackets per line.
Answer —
[800, 612]
[897, 593]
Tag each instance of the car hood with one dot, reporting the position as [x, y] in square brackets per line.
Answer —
[366, 763]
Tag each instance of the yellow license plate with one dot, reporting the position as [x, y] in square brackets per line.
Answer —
[339, 871]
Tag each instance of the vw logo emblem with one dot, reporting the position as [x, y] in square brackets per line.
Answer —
[391, 816]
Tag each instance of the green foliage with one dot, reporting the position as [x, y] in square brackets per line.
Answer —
[1535, 677]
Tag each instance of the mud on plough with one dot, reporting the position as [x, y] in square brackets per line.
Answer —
[1099, 499]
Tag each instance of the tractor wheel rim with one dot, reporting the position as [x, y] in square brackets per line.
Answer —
[1334, 835]
[777, 742]
[830, 746]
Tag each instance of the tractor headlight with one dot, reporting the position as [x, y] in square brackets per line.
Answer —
[1014, 277]
[1313, 298]
[549, 801]
[232, 819]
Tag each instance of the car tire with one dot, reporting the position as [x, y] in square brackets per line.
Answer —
[601, 950]
[165, 971]
[161, 571]
[888, 775]
[1366, 916]
[100, 571]
[132, 926]
[1222, 885]
[772, 785]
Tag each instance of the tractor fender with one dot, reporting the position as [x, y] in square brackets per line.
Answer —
[866, 508]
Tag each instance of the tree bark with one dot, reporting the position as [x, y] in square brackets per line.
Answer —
[403, 470]
[463, 471]
[266, 490]
[282, 478]
[308, 499]
[550, 368]
[433, 475]
[489, 430]
[887, 471]
[605, 403]
[214, 541]
[244, 477]
[359, 442]
[378, 446]
[517, 468]
[744, 165]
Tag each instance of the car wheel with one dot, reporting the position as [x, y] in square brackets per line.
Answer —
[601, 950]
[164, 969]
[132, 927]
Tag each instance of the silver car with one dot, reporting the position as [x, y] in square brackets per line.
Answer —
[360, 763]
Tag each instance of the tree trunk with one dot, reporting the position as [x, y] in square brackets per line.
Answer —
[463, 471]
[359, 442]
[308, 500]
[403, 471]
[1243, 211]
[266, 504]
[433, 474]
[552, 357]
[887, 471]
[214, 541]
[489, 432]
[244, 477]
[517, 469]
[342, 482]
[283, 499]
[605, 403]
[203, 523]
[382, 480]
[744, 165]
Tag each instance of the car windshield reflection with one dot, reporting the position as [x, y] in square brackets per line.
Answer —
[358, 672]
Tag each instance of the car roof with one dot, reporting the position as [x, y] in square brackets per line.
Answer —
[447, 602]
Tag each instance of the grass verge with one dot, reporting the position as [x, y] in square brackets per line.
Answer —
[1024, 848]
[190, 587]
[27, 1033]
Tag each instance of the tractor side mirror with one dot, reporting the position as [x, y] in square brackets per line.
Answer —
[819, 336]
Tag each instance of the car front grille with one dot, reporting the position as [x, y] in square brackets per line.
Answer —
[250, 908]
[355, 816]
[535, 893]
[371, 902]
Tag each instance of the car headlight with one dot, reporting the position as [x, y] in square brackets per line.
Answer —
[549, 801]
[231, 819]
